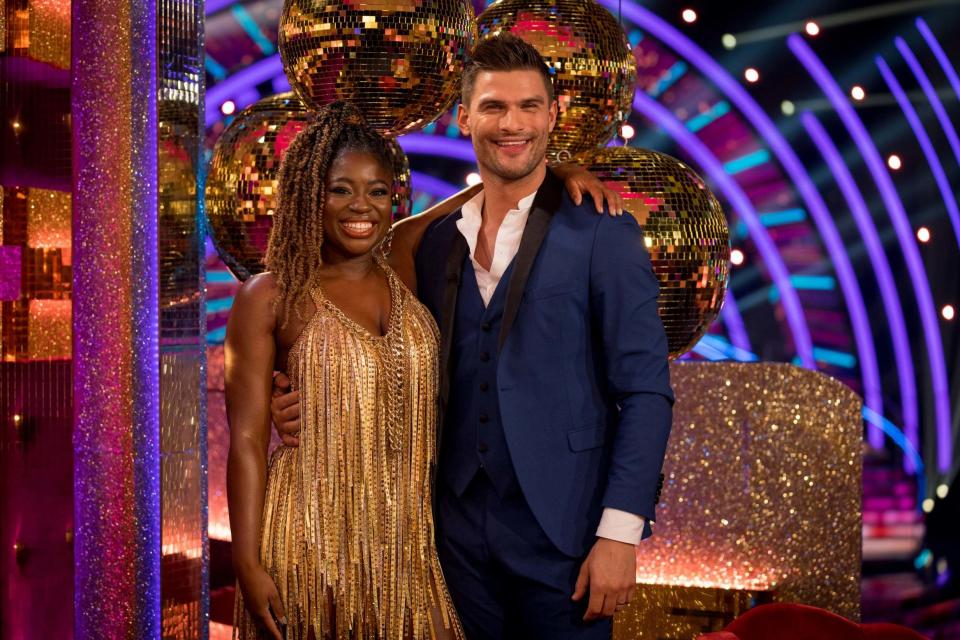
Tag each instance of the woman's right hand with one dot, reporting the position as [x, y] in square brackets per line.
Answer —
[262, 600]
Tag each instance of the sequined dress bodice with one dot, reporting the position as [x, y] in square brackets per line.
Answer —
[347, 530]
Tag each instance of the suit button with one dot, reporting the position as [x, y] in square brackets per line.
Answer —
[484, 356]
[483, 448]
[484, 418]
[485, 326]
[484, 386]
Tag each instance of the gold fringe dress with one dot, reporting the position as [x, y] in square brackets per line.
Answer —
[347, 530]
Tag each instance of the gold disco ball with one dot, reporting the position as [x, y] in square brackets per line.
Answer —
[594, 71]
[242, 180]
[684, 229]
[399, 61]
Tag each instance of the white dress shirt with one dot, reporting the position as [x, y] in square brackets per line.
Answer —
[614, 524]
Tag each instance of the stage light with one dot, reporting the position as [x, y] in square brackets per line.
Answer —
[627, 132]
[923, 234]
[857, 92]
[473, 178]
[689, 15]
[942, 491]
[16, 125]
[736, 257]
[729, 41]
[948, 312]
[928, 505]
[788, 108]
[228, 107]
[751, 74]
[812, 28]
[894, 162]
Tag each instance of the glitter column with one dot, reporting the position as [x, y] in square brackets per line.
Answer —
[139, 475]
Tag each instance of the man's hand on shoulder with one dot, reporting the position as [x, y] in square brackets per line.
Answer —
[285, 411]
[609, 573]
[578, 182]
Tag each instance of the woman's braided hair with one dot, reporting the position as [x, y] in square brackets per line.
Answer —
[293, 252]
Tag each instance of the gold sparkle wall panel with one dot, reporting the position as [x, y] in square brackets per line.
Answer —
[140, 433]
[761, 500]
[36, 312]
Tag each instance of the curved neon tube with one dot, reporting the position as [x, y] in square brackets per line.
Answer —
[881, 269]
[901, 225]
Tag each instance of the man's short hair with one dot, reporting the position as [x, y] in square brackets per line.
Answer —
[503, 52]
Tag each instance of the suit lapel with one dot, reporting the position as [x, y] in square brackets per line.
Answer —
[452, 275]
[545, 204]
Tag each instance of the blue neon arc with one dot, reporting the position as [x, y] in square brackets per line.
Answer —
[712, 114]
[669, 78]
[214, 68]
[901, 224]
[252, 29]
[939, 175]
[735, 195]
[749, 161]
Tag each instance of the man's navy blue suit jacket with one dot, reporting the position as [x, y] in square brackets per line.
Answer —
[582, 378]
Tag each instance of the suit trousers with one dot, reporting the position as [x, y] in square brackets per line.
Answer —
[506, 578]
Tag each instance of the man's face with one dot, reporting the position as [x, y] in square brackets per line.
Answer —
[509, 119]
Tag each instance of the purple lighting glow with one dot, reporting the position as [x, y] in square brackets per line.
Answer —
[881, 269]
[901, 225]
[939, 175]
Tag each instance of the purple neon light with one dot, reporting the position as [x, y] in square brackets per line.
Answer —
[881, 269]
[213, 6]
[734, 194]
[948, 129]
[939, 175]
[901, 225]
[733, 321]
[785, 154]
[425, 144]
[434, 186]
[260, 71]
[794, 168]
[940, 55]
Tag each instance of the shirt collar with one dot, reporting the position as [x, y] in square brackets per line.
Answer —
[472, 208]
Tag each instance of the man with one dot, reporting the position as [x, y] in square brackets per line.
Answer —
[555, 395]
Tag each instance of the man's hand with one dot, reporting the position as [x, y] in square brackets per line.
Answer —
[579, 181]
[285, 411]
[610, 574]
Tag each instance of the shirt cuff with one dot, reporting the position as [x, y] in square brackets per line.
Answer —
[621, 526]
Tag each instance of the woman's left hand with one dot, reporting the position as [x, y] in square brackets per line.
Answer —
[579, 181]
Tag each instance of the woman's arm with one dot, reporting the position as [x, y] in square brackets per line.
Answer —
[250, 352]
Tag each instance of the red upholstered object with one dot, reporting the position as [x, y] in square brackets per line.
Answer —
[800, 622]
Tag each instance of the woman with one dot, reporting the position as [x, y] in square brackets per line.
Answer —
[335, 540]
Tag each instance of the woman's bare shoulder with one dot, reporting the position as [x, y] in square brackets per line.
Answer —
[257, 293]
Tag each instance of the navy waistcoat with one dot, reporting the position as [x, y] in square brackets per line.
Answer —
[473, 429]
